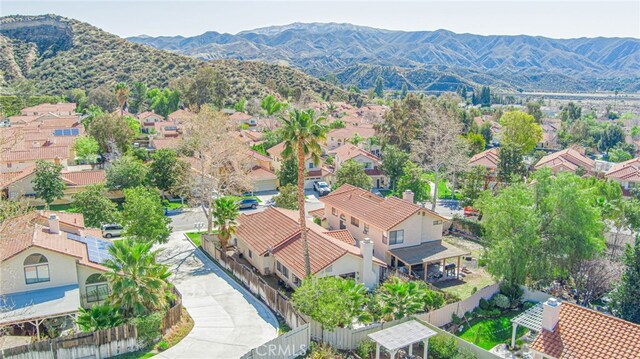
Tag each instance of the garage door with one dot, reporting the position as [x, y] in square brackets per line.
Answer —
[308, 184]
[266, 185]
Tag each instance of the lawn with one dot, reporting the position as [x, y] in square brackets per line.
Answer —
[68, 207]
[172, 205]
[195, 237]
[443, 190]
[489, 332]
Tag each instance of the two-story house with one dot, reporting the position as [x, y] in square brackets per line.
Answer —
[313, 172]
[272, 242]
[404, 235]
[50, 265]
[372, 164]
[261, 174]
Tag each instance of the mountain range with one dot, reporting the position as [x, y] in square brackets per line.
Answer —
[425, 60]
[60, 54]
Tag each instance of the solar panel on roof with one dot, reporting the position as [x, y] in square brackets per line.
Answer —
[97, 249]
[57, 132]
[75, 132]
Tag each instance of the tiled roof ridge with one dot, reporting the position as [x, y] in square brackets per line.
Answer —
[604, 315]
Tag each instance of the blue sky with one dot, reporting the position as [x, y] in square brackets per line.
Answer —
[557, 19]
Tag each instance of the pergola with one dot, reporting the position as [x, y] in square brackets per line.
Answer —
[401, 336]
[429, 252]
[34, 307]
[530, 319]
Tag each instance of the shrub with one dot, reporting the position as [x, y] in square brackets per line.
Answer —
[513, 291]
[485, 304]
[163, 345]
[365, 349]
[501, 301]
[322, 351]
[317, 221]
[149, 327]
[456, 319]
[482, 262]
[528, 305]
[442, 348]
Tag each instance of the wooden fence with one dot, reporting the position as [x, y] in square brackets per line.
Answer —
[256, 285]
[99, 344]
[289, 345]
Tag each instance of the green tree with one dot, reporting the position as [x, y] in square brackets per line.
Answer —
[138, 97]
[287, 197]
[288, 172]
[96, 207]
[399, 298]
[511, 226]
[570, 113]
[379, 89]
[626, 298]
[353, 173]
[98, 317]
[126, 172]
[79, 97]
[303, 133]
[48, 184]
[413, 179]
[613, 135]
[510, 164]
[475, 143]
[86, 149]
[534, 109]
[474, 183]
[225, 213]
[394, 160]
[104, 98]
[404, 90]
[139, 285]
[485, 131]
[240, 105]
[520, 130]
[333, 302]
[618, 154]
[271, 106]
[165, 170]
[143, 216]
[122, 94]
[113, 134]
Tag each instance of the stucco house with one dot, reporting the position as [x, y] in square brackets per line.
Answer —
[272, 242]
[404, 235]
[340, 136]
[262, 174]
[570, 159]
[372, 164]
[626, 173]
[314, 172]
[50, 265]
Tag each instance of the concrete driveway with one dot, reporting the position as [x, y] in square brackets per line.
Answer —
[229, 321]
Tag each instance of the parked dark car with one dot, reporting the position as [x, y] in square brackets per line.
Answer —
[247, 203]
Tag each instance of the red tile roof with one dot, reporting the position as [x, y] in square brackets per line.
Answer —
[568, 159]
[342, 235]
[585, 333]
[37, 153]
[53, 108]
[260, 173]
[84, 178]
[162, 143]
[240, 116]
[488, 159]
[626, 171]
[276, 151]
[349, 151]
[349, 131]
[384, 213]
[31, 230]
[147, 114]
[12, 177]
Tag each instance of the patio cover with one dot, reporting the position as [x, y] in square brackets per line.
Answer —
[39, 304]
[402, 335]
[530, 319]
[428, 252]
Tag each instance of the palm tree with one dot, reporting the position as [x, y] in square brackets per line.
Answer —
[225, 212]
[122, 93]
[302, 133]
[138, 284]
[103, 316]
[400, 298]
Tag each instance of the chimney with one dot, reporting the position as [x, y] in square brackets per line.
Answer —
[550, 314]
[54, 224]
[408, 195]
[368, 276]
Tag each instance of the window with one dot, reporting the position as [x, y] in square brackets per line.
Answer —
[36, 269]
[97, 288]
[250, 254]
[366, 229]
[435, 223]
[310, 165]
[396, 237]
[282, 269]
[355, 221]
[367, 165]
[334, 211]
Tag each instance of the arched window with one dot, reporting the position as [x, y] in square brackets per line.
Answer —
[36, 269]
[96, 288]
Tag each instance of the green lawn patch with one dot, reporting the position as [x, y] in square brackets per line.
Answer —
[195, 237]
[68, 207]
[171, 205]
[489, 332]
[443, 189]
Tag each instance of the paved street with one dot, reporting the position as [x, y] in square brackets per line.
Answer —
[229, 321]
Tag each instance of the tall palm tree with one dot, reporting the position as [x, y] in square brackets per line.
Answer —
[302, 133]
[138, 284]
[225, 212]
[122, 93]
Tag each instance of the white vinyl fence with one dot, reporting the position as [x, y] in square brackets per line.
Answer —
[287, 346]
[441, 317]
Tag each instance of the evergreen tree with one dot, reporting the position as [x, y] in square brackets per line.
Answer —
[379, 89]
[627, 296]
[510, 164]
[138, 97]
[404, 92]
